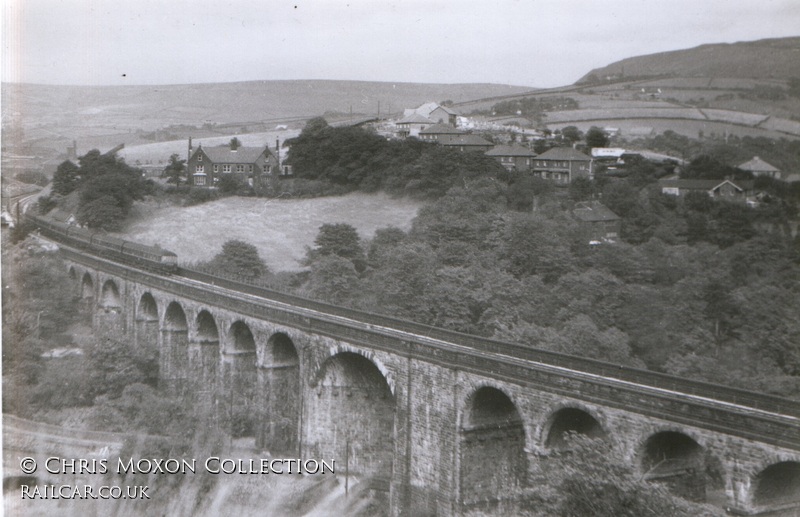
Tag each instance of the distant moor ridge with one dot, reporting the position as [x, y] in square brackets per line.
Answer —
[763, 59]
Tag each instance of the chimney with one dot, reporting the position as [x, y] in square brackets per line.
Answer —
[189, 152]
[278, 150]
[72, 152]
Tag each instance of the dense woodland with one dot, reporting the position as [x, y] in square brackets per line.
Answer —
[357, 158]
[695, 287]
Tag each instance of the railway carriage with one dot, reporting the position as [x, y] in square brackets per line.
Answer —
[152, 258]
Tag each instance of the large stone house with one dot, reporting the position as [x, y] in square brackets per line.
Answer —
[562, 165]
[513, 157]
[250, 165]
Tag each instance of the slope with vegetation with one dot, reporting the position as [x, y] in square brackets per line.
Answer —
[763, 59]
[744, 89]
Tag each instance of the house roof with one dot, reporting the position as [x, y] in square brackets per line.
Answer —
[593, 212]
[414, 118]
[703, 184]
[510, 150]
[447, 110]
[466, 139]
[564, 153]
[441, 129]
[224, 154]
[757, 165]
[428, 108]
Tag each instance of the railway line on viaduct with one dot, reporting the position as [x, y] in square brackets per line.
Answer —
[438, 421]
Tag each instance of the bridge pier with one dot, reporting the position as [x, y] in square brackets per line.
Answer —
[279, 389]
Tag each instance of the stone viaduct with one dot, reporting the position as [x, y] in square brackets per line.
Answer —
[439, 422]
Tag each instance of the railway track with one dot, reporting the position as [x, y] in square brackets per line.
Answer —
[748, 414]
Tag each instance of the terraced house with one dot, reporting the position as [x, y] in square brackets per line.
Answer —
[250, 165]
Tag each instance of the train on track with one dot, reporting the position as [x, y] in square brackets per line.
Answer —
[150, 258]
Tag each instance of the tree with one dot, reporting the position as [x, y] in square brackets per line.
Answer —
[123, 188]
[101, 213]
[708, 167]
[339, 239]
[733, 222]
[720, 308]
[239, 258]
[571, 134]
[620, 197]
[581, 189]
[593, 478]
[333, 279]
[66, 178]
[596, 137]
[46, 203]
[175, 171]
[235, 143]
[383, 244]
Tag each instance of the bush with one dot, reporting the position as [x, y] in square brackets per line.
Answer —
[33, 177]
[45, 204]
[198, 196]
[304, 188]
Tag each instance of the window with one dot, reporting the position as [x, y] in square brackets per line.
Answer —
[240, 168]
[200, 180]
[250, 168]
[216, 168]
[226, 168]
[200, 157]
[200, 169]
[269, 169]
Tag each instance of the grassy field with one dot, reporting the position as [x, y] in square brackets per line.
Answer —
[280, 229]
[690, 128]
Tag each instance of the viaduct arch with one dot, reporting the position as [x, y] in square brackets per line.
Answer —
[412, 414]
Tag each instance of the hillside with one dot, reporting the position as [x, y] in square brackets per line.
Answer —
[99, 110]
[717, 89]
[769, 58]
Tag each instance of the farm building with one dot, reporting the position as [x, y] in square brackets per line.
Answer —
[760, 168]
[250, 165]
[435, 113]
[563, 165]
[719, 189]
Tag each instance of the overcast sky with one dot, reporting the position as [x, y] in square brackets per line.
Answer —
[523, 42]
